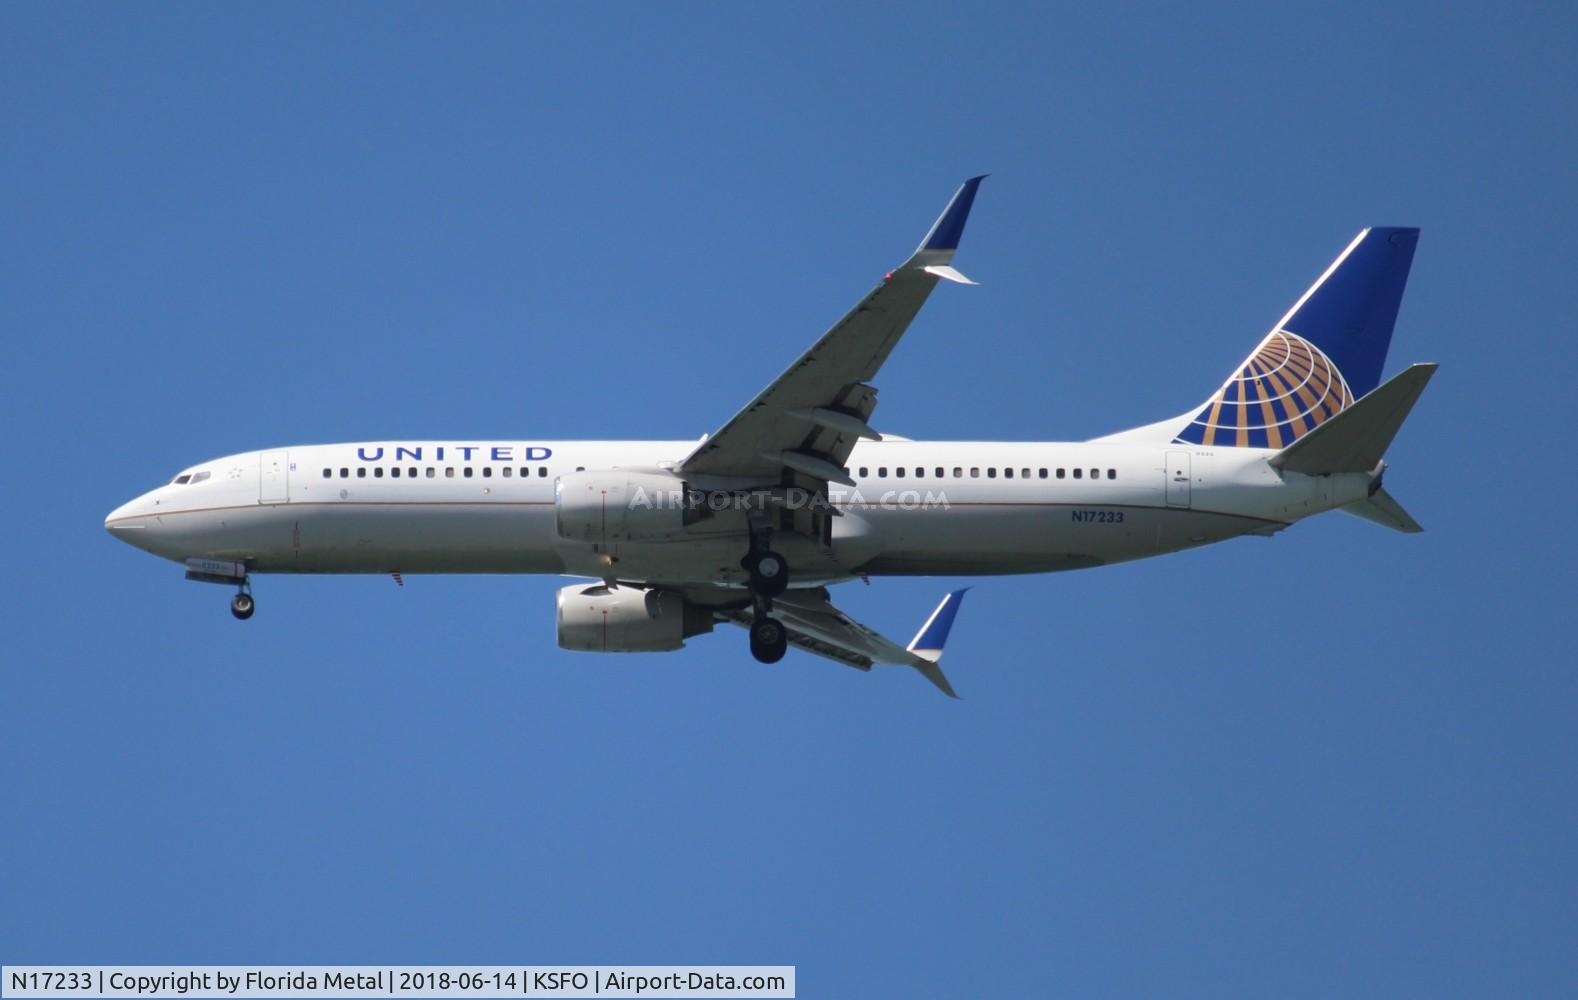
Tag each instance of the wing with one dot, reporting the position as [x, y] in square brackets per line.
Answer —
[816, 626]
[808, 420]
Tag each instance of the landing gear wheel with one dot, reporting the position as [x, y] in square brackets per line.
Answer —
[769, 640]
[242, 606]
[769, 572]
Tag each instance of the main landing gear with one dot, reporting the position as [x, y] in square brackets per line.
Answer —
[769, 577]
[769, 572]
[242, 605]
[769, 639]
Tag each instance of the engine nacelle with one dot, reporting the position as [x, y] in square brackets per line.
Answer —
[618, 505]
[597, 618]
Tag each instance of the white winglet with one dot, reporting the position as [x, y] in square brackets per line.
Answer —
[946, 271]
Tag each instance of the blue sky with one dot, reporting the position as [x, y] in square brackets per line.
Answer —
[1338, 762]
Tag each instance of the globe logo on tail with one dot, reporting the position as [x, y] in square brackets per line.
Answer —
[1286, 389]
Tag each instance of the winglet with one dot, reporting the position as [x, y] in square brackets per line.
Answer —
[928, 643]
[945, 232]
[944, 271]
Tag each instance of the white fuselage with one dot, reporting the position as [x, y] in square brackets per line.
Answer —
[918, 508]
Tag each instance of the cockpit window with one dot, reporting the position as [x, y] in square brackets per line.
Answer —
[181, 480]
[198, 477]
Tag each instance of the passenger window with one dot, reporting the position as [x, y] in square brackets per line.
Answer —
[898, 473]
[1024, 473]
[1043, 473]
[542, 472]
[466, 472]
[411, 472]
[487, 472]
[580, 468]
[431, 472]
[958, 472]
[1112, 473]
[507, 472]
[864, 472]
[1060, 473]
[378, 473]
[975, 472]
[991, 473]
[1077, 473]
[1008, 473]
[939, 472]
[1095, 473]
[327, 473]
[449, 472]
[882, 472]
[361, 472]
[345, 473]
[394, 473]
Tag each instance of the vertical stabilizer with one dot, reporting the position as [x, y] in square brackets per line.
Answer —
[1325, 353]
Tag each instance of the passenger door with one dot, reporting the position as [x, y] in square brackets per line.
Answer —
[273, 477]
[1178, 479]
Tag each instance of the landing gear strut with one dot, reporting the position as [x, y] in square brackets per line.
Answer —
[769, 577]
[769, 572]
[242, 604]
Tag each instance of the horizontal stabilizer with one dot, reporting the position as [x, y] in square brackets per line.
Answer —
[1356, 439]
[1385, 511]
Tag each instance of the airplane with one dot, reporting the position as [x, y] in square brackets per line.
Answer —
[751, 524]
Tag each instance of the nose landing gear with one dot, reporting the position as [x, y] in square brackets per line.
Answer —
[242, 605]
[225, 573]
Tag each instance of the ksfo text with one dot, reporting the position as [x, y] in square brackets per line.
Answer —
[637, 983]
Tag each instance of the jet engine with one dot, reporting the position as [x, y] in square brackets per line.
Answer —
[597, 618]
[618, 505]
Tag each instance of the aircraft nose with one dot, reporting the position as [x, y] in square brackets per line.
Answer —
[125, 522]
